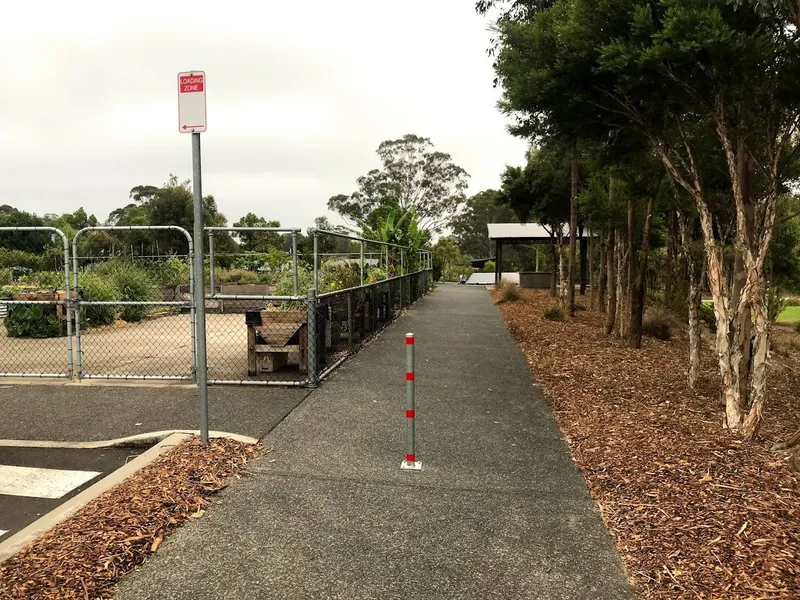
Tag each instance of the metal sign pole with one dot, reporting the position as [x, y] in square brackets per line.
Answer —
[199, 293]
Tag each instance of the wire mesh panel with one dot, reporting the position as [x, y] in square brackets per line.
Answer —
[35, 311]
[256, 340]
[134, 311]
[33, 335]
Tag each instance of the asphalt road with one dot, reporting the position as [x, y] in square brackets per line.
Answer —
[34, 481]
[85, 413]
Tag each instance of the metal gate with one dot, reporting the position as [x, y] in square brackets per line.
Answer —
[139, 335]
[36, 330]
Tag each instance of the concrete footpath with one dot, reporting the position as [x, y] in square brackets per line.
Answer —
[499, 510]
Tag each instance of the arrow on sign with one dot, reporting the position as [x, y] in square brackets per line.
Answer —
[192, 126]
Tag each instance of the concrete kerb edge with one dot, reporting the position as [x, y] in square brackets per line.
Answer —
[141, 440]
[32, 532]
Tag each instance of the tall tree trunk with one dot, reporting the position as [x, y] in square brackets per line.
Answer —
[694, 275]
[562, 280]
[573, 230]
[553, 272]
[670, 270]
[584, 251]
[631, 266]
[623, 316]
[744, 168]
[603, 277]
[611, 313]
[639, 290]
[592, 286]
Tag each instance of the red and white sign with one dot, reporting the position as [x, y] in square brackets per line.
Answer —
[192, 102]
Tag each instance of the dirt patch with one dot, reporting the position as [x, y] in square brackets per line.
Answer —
[86, 555]
[695, 512]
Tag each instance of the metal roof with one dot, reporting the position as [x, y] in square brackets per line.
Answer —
[524, 231]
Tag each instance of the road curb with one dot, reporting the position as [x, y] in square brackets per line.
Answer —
[22, 538]
[139, 440]
[166, 441]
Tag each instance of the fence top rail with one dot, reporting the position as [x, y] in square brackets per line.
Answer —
[264, 229]
[41, 228]
[80, 232]
[245, 297]
[355, 238]
[377, 283]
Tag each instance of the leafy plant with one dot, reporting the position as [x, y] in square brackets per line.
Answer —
[708, 317]
[489, 267]
[133, 284]
[506, 291]
[170, 273]
[338, 275]
[98, 289]
[32, 321]
[657, 324]
[555, 312]
[6, 277]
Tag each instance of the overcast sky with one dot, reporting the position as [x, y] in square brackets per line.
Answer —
[300, 94]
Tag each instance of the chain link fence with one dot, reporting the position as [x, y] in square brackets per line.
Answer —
[134, 310]
[273, 317]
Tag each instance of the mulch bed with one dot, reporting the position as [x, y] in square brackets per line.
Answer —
[85, 556]
[696, 513]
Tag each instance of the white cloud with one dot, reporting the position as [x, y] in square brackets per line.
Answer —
[299, 97]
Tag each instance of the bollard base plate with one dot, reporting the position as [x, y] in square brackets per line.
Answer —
[411, 466]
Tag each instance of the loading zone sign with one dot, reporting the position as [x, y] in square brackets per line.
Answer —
[192, 102]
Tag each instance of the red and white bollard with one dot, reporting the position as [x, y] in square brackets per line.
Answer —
[410, 463]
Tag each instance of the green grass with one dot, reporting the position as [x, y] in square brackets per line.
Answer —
[791, 314]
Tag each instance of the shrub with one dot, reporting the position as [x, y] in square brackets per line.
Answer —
[284, 286]
[657, 324]
[489, 267]
[506, 291]
[555, 312]
[708, 317]
[792, 301]
[48, 280]
[98, 289]
[133, 284]
[32, 321]
[338, 275]
[170, 273]
[237, 276]
[6, 277]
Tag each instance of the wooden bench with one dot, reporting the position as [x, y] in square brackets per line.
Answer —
[272, 337]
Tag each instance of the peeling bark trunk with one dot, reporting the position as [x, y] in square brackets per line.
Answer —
[670, 269]
[639, 290]
[573, 230]
[562, 283]
[553, 272]
[585, 257]
[694, 299]
[611, 313]
[592, 287]
[601, 292]
[623, 316]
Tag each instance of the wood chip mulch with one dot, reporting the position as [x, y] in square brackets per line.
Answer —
[85, 556]
[695, 512]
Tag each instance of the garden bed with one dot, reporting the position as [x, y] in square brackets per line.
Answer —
[695, 512]
[86, 555]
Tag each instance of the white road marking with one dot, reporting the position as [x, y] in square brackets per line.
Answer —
[3, 532]
[41, 483]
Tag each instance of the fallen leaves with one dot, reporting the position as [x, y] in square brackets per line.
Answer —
[695, 513]
[85, 556]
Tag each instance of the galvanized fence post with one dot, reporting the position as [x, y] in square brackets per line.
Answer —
[316, 261]
[313, 341]
[410, 463]
[294, 260]
[211, 275]
[350, 323]
[362, 262]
